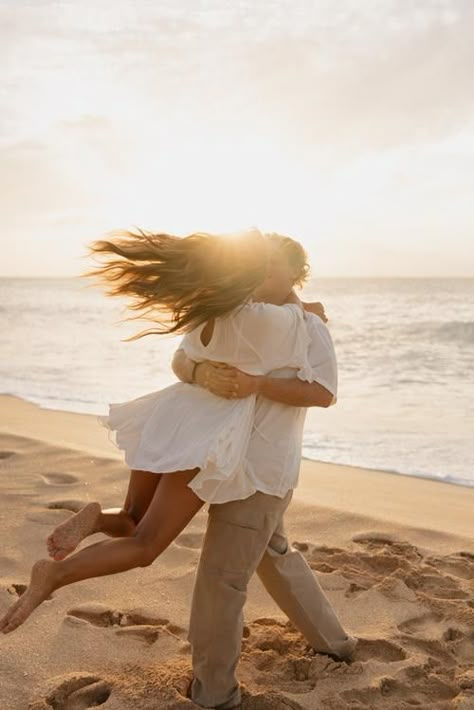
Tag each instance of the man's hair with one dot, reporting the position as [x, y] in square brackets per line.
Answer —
[294, 252]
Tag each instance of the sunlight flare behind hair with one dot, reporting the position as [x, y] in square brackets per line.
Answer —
[180, 282]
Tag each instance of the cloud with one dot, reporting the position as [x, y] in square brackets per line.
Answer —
[117, 109]
[35, 179]
[417, 88]
[350, 77]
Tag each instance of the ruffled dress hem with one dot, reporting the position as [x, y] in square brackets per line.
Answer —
[219, 458]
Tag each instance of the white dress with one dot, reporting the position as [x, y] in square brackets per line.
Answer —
[184, 426]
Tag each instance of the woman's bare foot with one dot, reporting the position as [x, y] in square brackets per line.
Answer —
[66, 537]
[43, 581]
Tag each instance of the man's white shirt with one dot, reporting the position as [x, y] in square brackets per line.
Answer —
[274, 453]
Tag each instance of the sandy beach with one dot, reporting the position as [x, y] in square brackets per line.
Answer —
[395, 555]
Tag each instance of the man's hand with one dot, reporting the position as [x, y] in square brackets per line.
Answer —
[317, 308]
[225, 381]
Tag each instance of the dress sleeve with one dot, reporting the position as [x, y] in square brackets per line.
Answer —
[192, 346]
[276, 334]
[321, 357]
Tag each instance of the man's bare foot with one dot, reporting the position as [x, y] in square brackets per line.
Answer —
[67, 536]
[42, 582]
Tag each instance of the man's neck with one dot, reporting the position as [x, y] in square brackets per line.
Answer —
[276, 300]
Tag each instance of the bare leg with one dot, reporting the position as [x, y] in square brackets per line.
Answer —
[174, 505]
[115, 522]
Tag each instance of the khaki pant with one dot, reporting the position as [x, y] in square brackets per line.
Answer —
[244, 536]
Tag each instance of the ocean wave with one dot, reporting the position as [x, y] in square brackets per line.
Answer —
[367, 463]
[461, 331]
[452, 331]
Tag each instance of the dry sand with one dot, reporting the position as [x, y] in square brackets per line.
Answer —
[394, 554]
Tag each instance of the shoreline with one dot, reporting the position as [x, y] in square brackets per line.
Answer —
[428, 477]
[396, 498]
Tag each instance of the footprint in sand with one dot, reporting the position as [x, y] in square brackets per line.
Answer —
[71, 504]
[133, 623]
[375, 538]
[436, 650]
[192, 540]
[59, 479]
[453, 634]
[431, 582]
[267, 701]
[279, 650]
[420, 624]
[458, 564]
[436, 636]
[378, 650]
[398, 692]
[6, 454]
[384, 542]
[384, 559]
[74, 691]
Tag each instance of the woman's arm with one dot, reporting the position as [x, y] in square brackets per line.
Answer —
[203, 373]
[183, 367]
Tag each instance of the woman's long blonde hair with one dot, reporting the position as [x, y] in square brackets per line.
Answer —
[180, 282]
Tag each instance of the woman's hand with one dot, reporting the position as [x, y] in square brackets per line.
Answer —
[224, 380]
[315, 307]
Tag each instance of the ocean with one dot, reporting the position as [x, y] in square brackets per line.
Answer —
[405, 349]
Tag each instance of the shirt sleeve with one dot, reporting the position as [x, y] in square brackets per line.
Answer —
[321, 356]
[192, 346]
[276, 334]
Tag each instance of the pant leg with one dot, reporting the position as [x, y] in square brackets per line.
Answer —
[236, 537]
[291, 582]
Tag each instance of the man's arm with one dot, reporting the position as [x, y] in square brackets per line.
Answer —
[287, 390]
[232, 383]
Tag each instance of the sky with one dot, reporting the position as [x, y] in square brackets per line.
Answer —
[348, 126]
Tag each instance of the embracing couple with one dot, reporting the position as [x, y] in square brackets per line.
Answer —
[252, 360]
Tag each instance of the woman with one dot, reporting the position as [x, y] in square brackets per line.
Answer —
[200, 285]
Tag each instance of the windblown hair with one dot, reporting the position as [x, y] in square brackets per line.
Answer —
[295, 254]
[180, 282]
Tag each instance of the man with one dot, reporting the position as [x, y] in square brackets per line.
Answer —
[248, 535]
